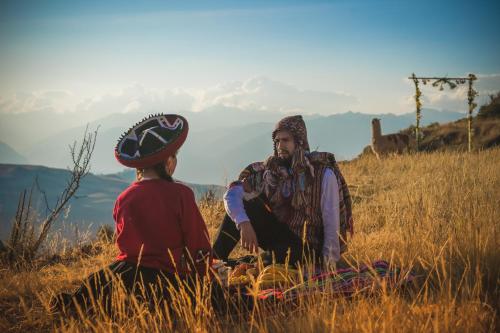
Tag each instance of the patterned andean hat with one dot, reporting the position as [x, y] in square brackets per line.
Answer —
[152, 140]
[297, 127]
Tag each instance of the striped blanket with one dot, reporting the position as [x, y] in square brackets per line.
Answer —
[345, 282]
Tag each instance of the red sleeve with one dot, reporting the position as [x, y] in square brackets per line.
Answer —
[195, 233]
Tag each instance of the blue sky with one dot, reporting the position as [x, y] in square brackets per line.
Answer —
[351, 55]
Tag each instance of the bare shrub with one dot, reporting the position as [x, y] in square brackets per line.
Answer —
[208, 198]
[25, 238]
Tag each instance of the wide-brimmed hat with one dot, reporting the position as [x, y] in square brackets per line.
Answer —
[152, 140]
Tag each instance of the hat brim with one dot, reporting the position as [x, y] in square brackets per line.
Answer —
[160, 155]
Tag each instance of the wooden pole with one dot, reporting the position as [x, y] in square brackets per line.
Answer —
[471, 94]
[418, 93]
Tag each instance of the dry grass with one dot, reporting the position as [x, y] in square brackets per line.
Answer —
[438, 213]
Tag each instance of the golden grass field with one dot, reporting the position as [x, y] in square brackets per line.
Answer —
[438, 213]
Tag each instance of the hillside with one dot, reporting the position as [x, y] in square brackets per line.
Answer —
[453, 135]
[410, 210]
[92, 205]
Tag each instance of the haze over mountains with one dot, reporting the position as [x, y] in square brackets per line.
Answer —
[9, 155]
[221, 142]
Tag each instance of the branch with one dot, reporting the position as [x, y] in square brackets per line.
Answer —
[44, 195]
[81, 156]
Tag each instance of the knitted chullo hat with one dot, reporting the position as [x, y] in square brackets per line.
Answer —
[296, 126]
[151, 141]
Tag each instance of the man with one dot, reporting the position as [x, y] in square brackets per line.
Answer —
[296, 204]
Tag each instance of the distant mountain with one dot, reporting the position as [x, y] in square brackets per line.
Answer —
[223, 140]
[128, 175]
[345, 135]
[92, 205]
[22, 130]
[9, 155]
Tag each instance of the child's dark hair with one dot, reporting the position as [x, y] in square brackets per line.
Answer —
[160, 171]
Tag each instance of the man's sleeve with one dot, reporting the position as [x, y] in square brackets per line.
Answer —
[331, 216]
[247, 186]
[195, 233]
[233, 203]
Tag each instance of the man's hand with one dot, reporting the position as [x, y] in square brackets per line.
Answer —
[248, 237]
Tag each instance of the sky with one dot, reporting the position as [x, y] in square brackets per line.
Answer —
[308, 57]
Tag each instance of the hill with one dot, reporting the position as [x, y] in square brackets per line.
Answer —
[454, 136]
[491, 109]
[436, 213]
[91, 206]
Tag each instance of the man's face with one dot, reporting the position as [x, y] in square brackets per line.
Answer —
[285, 144]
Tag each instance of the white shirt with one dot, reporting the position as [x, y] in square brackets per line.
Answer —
[330, 212]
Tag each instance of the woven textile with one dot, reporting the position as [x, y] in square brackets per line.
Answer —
[344, 282]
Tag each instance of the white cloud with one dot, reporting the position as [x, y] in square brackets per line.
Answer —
[264, 94]
[258, 93]
[137, 98]
[53, 100]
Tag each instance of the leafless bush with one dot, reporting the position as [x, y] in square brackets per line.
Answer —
[208, 198]
[25, 240]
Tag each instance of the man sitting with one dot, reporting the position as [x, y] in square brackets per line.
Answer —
[296, 204]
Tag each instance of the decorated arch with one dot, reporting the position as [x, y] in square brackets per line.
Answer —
[441, 83]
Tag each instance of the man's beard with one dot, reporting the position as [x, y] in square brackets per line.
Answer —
[285, 160]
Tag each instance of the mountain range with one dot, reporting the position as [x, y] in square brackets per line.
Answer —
[9, 155]
[221, 142]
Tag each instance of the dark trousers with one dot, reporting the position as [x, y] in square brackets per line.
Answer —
[96, 290]
[272, 235]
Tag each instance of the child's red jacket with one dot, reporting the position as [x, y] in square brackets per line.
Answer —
[158, 225]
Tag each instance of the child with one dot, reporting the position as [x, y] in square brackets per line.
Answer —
[160, 233]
